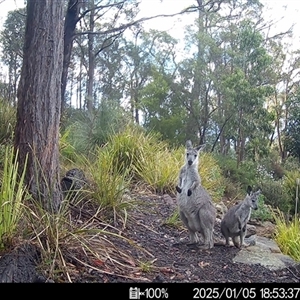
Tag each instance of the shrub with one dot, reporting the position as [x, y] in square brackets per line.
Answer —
[237, 177]
[87, 131]
[7, 122]
[275, 195]
[263, 213]
[290, 185]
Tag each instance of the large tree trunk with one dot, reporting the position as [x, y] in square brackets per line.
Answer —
[39, 100]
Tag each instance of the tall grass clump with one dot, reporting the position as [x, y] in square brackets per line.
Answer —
[211, 176]
[51, 232]
[287, 235]
[12, 192]
[158, 167]
[109, 183]
[127, 147]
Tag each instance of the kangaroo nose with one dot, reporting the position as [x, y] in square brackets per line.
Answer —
[190, 162]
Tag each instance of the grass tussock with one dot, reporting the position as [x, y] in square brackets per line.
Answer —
[12, 193]
[68, 244]
[287, 235]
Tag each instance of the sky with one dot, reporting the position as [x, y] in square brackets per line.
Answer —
[285, 11]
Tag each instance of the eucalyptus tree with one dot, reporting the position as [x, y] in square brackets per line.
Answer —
[246, 87]
[285, 85]
[39, 101]
[291, 133]
[12, 39]
[148, 57]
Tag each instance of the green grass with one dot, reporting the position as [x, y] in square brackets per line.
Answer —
[287, 235]
[109, 184]
[174, 220]
[12, 193]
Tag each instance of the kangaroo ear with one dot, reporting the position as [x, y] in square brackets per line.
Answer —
[200, 147]
[249, 190]
[188, 144]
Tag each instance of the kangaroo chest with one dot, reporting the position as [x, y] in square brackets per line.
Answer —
[245, 215]
[189, 177]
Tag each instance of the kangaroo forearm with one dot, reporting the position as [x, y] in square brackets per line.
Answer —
[194, 185]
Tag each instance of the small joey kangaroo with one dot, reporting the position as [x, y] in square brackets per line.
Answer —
[189, 177]
[196, 209]
[234, 223]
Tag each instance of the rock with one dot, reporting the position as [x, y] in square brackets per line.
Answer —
[221, 209]
[266, 253]
[74, 180]
[266, 229]
[251, 230]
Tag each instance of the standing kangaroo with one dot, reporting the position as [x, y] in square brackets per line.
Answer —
[196, 209]
[234, 223]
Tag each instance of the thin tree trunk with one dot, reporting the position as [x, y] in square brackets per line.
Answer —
[39, 101]
[91, 70]
[69, 33]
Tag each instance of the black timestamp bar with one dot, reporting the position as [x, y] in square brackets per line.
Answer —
[279, 292]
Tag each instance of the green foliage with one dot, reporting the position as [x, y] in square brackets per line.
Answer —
[264, 212]
[127, 147]
[240, 176]
[291, 133]
[87, 131]
[12, 192]
[66, 150]
[211, 176]
[159, 167]
[287, 235]
[290, 186]
[275, 194]
[12, 41]
[7, 122]
[174, 219]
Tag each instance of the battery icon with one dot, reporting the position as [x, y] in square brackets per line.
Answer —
[134, 293]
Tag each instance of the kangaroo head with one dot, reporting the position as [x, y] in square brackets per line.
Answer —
[252, 198]
[192, 154]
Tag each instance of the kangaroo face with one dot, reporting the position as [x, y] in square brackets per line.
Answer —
[192, 154]
[252, 199]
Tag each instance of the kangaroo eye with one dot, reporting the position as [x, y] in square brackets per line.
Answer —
[195, 155]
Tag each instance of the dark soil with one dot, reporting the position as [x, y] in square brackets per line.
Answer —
[161, 253]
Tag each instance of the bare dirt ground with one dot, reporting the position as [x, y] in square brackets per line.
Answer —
[161, 254]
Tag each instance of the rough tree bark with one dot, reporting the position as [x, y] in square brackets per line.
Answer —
[39, 100]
